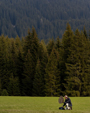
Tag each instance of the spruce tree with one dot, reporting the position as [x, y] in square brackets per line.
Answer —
[75, 65]
[84, 32]
[50, 46]
[40, 71]
[58, 44]
[28, 76]
[67, 41]
[65, 52]
[32, 43]
[38, 83]
[61, 63]
[13, 55]
[20, 63]
[52, 76]
[4, 62]
[31, 48]
[13, 86]
[86, 68]
[18, 45]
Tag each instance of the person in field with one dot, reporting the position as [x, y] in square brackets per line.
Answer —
[67, 103]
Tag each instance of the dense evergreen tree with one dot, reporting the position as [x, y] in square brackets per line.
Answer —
[52, 76]
[85, 32]
[50, 46]
[20, 62]
[32, 44]
[38, 83]
[13, 60]
[28, 74]
[13, 86]
[85, 66]
[61, 63]
[4, 63]
[31, 49]
[67, 40]
[66, 43]
[73, 66]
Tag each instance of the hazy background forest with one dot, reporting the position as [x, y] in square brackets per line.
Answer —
[49, 17]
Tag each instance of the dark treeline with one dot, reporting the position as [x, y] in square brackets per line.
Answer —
[29, 67]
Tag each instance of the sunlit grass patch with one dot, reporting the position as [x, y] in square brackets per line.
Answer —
[42, 105]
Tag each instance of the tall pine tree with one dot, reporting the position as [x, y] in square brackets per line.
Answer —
[52, 76]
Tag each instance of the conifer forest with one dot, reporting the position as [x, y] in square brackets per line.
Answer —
[49, 17]
[30, 67]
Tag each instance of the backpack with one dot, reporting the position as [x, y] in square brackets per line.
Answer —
[61, 108]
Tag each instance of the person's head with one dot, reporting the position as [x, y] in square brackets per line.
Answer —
[66, 96]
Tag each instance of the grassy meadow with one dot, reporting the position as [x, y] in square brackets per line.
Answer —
[42, 105]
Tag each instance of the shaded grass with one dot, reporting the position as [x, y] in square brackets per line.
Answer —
[42, 105]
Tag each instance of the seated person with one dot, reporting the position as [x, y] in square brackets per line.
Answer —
[67, 103]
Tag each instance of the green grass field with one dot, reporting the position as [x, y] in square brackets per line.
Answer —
[42, 105]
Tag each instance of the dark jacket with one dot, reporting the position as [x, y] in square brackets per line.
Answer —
[68, 101]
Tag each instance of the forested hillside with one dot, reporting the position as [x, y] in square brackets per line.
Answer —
[29, 67]
[49, 17]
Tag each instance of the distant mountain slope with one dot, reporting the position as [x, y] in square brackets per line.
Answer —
[49, 17]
